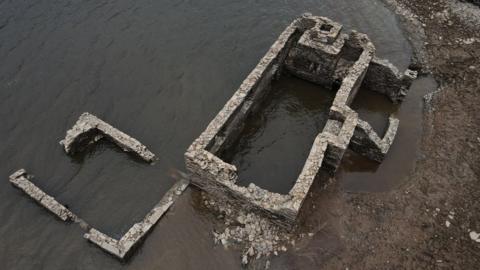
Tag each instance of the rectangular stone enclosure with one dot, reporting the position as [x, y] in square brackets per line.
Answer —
[314, 49]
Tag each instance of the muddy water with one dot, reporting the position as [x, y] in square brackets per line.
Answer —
[158, 70]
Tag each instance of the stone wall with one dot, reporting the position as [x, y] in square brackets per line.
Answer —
[383, 77]
[89, 129]
[316, 54]
[312, 48]
[21, 180]
[122, 248]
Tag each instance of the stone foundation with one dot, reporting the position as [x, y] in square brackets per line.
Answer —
[315, 49]
[119, 248]
[89, 129]
[123, 247]
[21, 180]
[383, 77]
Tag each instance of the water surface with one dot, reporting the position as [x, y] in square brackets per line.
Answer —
[157, 70]
[276, 141]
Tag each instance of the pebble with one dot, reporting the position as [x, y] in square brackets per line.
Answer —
[244, 259]
[475, 236]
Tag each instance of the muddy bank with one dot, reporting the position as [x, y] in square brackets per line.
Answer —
[431, 221]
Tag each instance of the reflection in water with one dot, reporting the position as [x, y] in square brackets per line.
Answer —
[275, 142]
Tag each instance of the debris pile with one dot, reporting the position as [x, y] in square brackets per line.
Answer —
[256, 235]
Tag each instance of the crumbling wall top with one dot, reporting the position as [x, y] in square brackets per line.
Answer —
[89, 129]
[312, 48]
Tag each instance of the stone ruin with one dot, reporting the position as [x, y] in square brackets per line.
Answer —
[90, 129]
[21, 180]
[314, 49]
[123, 247]
[311, 48]
[86, 131]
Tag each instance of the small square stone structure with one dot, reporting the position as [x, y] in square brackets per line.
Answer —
[315, 49]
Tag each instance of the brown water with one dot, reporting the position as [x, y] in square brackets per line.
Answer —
[158, 70]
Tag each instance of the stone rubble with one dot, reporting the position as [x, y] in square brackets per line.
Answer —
[466, 11]
[428, 99]
[256, 235]
[89, 129]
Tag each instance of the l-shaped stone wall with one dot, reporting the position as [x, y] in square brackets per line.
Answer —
[125, 245]
[88, 130]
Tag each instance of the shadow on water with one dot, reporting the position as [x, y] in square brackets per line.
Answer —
[275, 142]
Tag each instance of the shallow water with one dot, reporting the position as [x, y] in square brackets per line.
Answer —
[359, 174]
[275, 142]
[157, 70]
[324, 214]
